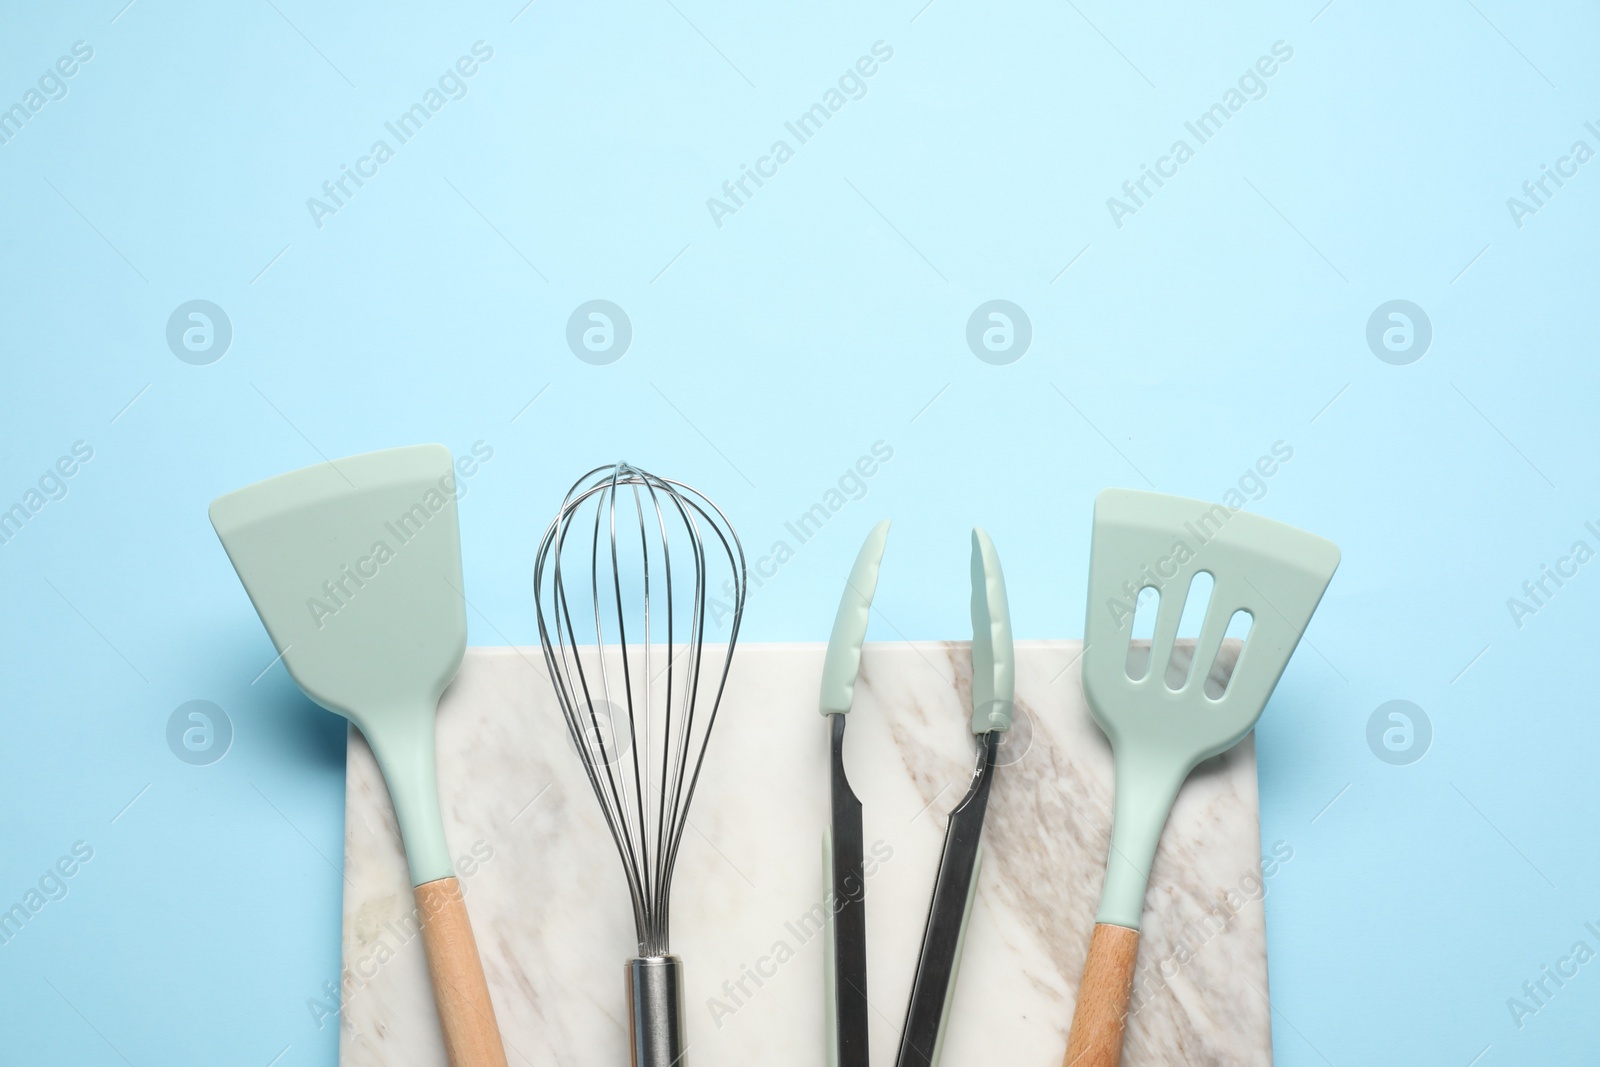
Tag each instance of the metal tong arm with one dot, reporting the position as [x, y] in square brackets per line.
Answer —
[953, 892]
[846, 917]
[845, 910]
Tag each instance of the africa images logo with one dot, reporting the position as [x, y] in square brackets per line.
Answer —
[1399, 332]
[199, 732]
[999, 332]
[199, 332]
[599, 332]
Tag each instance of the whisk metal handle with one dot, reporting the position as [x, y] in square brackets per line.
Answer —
[655, 1011]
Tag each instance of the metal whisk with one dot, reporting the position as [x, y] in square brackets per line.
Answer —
[637, 707]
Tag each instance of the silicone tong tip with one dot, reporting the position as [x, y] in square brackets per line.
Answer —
[842, 664]
[994, 664]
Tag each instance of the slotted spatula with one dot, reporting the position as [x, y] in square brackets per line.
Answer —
[355, 568]
[1158, 734]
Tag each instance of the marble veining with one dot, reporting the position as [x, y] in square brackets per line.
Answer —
[544, 885]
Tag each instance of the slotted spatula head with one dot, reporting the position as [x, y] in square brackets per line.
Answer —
[355, 568]
[1275, 573]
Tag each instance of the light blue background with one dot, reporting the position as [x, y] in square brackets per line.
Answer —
[827, 314]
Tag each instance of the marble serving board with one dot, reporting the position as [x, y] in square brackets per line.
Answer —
[547, 897]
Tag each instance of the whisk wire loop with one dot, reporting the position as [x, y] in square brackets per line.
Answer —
[646, 816]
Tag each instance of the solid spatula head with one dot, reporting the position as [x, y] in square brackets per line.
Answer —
[1274, 572]
[355, 568]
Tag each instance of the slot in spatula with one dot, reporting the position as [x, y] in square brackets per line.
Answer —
[355, 568]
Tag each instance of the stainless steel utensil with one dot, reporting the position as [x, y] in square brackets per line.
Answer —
[993, 678]
[846, 963]
[624, 647]
[993, 686]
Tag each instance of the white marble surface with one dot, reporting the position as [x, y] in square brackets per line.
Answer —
[545, 889]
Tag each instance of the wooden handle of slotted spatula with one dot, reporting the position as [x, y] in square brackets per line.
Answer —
[466, 1015]
[1102, 1011]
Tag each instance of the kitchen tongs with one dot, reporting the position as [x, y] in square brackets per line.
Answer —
[993, 682]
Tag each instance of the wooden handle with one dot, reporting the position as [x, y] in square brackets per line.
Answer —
[1096, 1039]
[466, 1015]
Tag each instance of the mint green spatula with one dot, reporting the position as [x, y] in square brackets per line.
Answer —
[1162, 722]
[355, 568]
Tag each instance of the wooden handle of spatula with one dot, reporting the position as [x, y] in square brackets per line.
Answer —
[1102, 1011]
[466, 1015]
